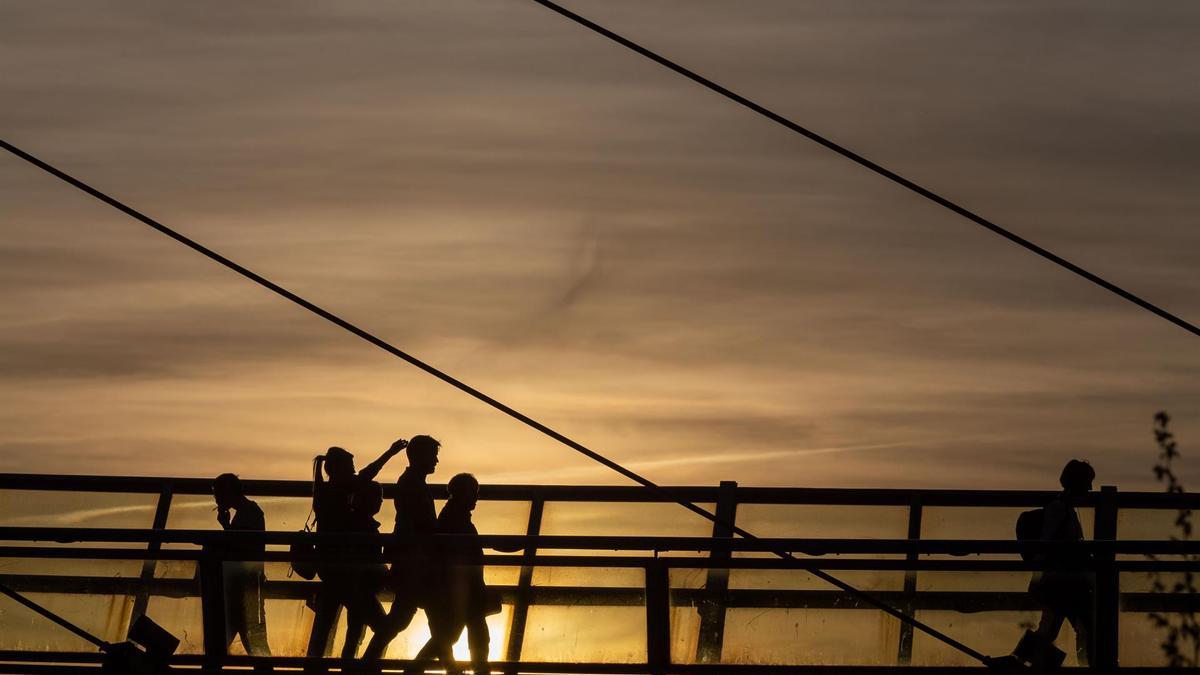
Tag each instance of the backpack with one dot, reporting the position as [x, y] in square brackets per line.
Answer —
[1029, 528]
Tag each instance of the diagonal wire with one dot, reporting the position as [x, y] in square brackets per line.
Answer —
[462, 386]
[79, 632]
[872, 166]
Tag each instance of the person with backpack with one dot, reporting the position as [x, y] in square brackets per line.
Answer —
[1066, 588]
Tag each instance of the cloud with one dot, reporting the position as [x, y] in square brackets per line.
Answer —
[692, 462]
[97, 517]
[604, 244]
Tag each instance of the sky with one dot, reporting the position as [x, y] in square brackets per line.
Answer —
[608, 248]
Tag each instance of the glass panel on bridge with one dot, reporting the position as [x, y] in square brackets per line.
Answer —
[55, 509]
[783, 617]
[611, 519]
[1147, 524]
[89, 594]
[104, 615]
[824, 521]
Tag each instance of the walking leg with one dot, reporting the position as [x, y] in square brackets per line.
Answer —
[1084, 625]
[401, 614]
[445, 634]
[325, 615]
[480, 643]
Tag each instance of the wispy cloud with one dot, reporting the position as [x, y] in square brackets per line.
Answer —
[98, 517]
[699, 460]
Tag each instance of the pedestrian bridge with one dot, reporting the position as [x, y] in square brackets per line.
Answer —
[607, 580]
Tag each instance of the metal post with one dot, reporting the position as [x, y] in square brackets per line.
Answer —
[142, 599]
[712, 609]
[212, 608]
[1108, 586]
[658, 617]
[520, 612]
[908, 605]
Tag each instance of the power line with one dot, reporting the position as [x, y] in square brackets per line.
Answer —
[462, 386]
[863, 161]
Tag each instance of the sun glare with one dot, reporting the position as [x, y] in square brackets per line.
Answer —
[408, 643]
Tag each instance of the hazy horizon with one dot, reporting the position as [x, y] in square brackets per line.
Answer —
[599, 243]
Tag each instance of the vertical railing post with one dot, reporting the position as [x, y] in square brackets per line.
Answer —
[150, 564]
[905, 649]
[711, 639]
[1108, 586]
[658, 617]
[520, 611]
[212, 607]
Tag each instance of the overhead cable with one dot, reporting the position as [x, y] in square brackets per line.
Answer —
[877, 168]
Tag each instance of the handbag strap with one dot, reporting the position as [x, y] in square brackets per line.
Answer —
[309, 523]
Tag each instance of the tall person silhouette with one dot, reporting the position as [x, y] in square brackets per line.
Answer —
[408, 551]
[245, 607]
[333, 507]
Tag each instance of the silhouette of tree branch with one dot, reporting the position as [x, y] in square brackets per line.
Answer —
[1181, 630]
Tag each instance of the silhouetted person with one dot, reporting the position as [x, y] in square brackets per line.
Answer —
[333, 507]
[1067, 588]
[371, 574]
[459, 598]
[408, 551]
[245, 609]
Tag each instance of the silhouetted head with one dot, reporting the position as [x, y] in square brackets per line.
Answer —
[464, 489]
[339, 463]
[423, 453]
[369, 499]
[1077, 477]
[227, 491]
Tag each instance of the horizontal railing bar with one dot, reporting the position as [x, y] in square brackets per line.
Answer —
[335, 665]
[612, 493]
[303, 489]
[611, 543]
[757, 669]
[234, 664]
[50, 656]
[25, 668]
[597, 669]
[634, 562]
[959, 601]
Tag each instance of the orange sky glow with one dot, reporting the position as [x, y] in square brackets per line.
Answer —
[598, 243]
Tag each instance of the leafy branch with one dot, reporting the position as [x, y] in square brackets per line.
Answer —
[1181, 639]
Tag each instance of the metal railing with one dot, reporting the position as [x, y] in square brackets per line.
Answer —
[656, 557]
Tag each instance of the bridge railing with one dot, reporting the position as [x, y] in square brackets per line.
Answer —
[637, 604]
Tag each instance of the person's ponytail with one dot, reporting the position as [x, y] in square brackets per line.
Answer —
[303, 551]
[318, 479]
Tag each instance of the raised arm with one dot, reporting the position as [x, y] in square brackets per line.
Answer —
[371, 470]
